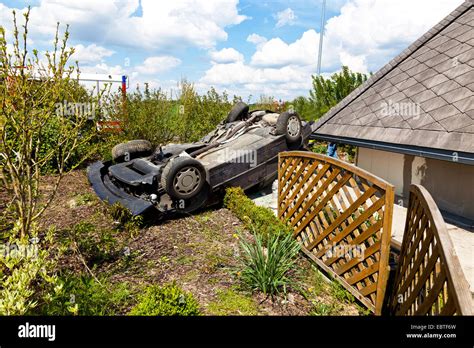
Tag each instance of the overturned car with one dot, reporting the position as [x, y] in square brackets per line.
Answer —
[181, 178]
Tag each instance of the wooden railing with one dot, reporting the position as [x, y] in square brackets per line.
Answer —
[342, 216]
[429, 279]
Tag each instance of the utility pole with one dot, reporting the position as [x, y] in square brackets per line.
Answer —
[321, 34]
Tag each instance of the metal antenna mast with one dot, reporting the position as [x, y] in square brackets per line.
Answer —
[321, 34]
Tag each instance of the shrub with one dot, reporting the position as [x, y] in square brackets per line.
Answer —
[83, 295]
[150, 116]
[26, 278]
[155, 116]
[266, 265]
[167, 300]
[198, 115]
[254, 217]
[304, 108]
[327, 92]
[320, 147]
[96, 246]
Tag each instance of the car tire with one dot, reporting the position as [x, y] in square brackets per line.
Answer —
[239, 111]
[289, 124]
[131, 149]
[183, 178]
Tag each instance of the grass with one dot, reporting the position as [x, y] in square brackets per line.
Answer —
[82, 199]
[231, 302]
[166, 300]
[340, 293]
[185, 260]
[126, 220]
[325, 309]
[316, 282]
[190, 276]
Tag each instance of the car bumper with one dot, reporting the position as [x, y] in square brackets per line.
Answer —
[107, 191]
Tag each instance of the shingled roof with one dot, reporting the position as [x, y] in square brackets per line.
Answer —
[435, 75]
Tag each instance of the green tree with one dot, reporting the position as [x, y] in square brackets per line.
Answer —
[327, 92]
[41, 122]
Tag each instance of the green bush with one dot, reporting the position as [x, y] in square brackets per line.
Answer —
[149, 116]
[341, 294]
[199, 114]
[26, 276]
[319, 147]
[267, 264]
[51, 134]
[259, 218]
[96, 246]
[159, 118]
[304, 107]
[167, 300]
[83, 295]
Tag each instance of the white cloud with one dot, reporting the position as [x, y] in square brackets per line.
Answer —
[154, 65]
[285, 17]
[226, 55]
[90, 54]
[244, 79]
[355, 63]
[284, 69]
[277, 53]
[348, 40]
[103, 68]
[365, 36]
[376, 31]
[163, 25]
[256, 39]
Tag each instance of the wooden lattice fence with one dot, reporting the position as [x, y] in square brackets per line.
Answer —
[341, 215]
[429, 278]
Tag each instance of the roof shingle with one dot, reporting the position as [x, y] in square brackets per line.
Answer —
[423, 97]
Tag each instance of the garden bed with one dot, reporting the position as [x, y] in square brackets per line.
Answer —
[200, 254]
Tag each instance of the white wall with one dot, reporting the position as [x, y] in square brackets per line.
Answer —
[387, 165]
[450, 183]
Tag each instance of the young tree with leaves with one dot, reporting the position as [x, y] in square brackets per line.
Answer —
[33, 90]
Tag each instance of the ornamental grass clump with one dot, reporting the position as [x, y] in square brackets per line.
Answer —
[268, 264]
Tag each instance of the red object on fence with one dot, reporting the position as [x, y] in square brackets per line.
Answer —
[110, 126]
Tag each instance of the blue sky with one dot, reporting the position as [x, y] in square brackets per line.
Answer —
[244, 47]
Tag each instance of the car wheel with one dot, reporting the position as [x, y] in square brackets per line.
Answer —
[289, 124]
[131, 149]
[197, 202]
[183, 178]
[238, 112]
